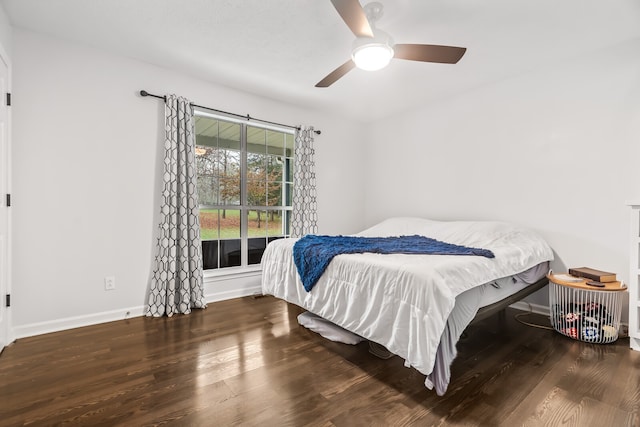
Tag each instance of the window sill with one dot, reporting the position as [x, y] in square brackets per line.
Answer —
[232, 273]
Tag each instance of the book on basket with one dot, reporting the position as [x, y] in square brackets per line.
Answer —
[593, 274]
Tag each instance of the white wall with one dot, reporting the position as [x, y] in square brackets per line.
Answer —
[5, 32]
[555, 150]
[85, 167]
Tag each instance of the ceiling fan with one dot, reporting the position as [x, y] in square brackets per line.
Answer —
[373, 48]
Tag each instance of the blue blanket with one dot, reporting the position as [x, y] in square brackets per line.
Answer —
[312, 254]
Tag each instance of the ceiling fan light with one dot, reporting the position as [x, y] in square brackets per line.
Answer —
[373, 56]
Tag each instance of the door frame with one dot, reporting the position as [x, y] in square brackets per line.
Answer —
[6, 330]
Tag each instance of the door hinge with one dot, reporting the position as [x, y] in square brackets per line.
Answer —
[8, 200]
[8, 99]
[7, 300]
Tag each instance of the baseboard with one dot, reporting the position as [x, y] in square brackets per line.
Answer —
[57, 325]
[32, 329]
[535, 308]
[232, 293]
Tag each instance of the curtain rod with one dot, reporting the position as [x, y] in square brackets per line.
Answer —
[247, 117]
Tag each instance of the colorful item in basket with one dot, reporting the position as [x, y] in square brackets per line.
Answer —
[590, 333]
[571, 332]
[590, 320]
[591, 306]
[572, 317]
[609, 332]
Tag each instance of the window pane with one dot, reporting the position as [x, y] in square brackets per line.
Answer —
[256, 249]
[274, 193]
[288, 194]
[257, 166]
[210, 254]
[257, 223]
[275, 142]
[229, 177]
[277, 225]
[257, 233]
[256, 193]
[286, 224]
[206, 131]
[256, 140]
[207, 189]
[229, 224]
[288, 169]
[229, 135]
[209, 224]
[288, 145]
[206, 167]
[275, 168]
[230, 255]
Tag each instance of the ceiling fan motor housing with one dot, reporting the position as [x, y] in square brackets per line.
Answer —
[373, 11]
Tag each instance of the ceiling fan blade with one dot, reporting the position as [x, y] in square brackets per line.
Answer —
[354, 16]
[429, 53]
[336, 74]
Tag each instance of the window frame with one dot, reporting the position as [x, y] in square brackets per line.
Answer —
[243, 206]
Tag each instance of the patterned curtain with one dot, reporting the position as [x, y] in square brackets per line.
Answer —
[305, 216]
[176, 285]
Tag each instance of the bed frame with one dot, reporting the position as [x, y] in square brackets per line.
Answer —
[501, 305]
[483, 313]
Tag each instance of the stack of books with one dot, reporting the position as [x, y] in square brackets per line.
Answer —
[594, 277]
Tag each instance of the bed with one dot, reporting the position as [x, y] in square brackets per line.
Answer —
[416, 306]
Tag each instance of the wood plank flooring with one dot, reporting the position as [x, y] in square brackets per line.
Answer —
[248, 362]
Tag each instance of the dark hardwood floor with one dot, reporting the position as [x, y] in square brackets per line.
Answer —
[248, 362]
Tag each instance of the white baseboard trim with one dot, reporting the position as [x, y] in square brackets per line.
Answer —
[40, 328]
[535, 308]
[57, 325]
[233, 293]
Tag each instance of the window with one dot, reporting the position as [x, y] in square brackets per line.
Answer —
[245, 188]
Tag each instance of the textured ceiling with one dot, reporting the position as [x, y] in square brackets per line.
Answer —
[280, 49]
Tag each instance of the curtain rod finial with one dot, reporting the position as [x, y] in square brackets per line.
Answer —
[144, 93]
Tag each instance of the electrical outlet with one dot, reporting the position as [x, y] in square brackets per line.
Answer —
[109, 283]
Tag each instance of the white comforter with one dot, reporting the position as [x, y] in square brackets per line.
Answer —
[403, 301]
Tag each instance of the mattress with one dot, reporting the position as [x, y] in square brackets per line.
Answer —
[400, 301]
